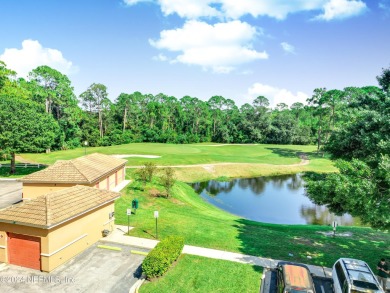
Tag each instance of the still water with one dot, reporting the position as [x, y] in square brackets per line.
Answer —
[274, 199]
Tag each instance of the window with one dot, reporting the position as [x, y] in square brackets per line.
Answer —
[340, 274]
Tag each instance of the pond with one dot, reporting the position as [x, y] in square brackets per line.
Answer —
[273, 199]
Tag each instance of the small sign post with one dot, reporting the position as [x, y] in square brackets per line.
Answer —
[334, 225]
[128, 212]
[156, 217]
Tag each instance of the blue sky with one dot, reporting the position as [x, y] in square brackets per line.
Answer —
[282, 49]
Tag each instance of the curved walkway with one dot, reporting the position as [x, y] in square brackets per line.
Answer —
[118, 236]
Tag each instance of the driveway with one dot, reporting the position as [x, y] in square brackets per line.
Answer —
[94, 270]
[10, 192]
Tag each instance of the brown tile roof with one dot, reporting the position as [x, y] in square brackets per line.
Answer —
[57, 207]
[84, 170]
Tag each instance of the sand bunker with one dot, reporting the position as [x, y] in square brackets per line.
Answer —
[138, 156]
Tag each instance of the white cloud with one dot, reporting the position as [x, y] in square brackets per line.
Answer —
[220, 47]
[32, 55]
[279, 9]
[340, 9]
[288, 48]
[189, 8]
[133, 2]
[160, 57]
[275, 95]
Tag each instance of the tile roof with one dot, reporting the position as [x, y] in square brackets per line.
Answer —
[57, 207]
[84, 170]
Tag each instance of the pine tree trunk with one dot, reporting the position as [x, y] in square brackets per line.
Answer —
[100, 124]
[124, 120]
[13, 168]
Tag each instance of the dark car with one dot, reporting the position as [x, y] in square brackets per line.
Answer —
[294, 278]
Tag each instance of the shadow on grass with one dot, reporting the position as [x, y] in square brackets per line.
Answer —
[4, 171]
[285, 242]
[150, 234]
[289, 153]
[308, 243]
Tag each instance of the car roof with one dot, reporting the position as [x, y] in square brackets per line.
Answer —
[297, 276]
[358, 271]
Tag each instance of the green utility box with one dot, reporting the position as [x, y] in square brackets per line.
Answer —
[134, 203]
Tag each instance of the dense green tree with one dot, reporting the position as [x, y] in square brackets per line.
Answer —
[53, 89]
[362, 188]
[384, 80]
[5, 75]
[27, 129]
[358, 190]
[318, 102]
[95, 101]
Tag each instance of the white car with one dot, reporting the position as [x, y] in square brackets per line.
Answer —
[354, 276]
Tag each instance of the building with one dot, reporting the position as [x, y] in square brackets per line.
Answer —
[94, 170]
[48, 230]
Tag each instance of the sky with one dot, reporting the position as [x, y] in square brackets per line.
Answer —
[239, 49]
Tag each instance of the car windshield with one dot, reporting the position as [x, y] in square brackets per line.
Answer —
[365, 285]
[358, 276]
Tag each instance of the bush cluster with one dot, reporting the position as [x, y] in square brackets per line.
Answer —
[162, 256]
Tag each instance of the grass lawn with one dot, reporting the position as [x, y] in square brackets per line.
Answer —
[20, 172]
[255, 159]
[200, 274]
[201, 224]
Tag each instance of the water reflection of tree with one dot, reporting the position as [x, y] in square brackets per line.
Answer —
[213, 187]
[256, 185]
[292, 182]
[320, 215]
[296, 182]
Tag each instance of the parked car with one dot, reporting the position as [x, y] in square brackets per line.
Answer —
[294, 278]
[354, 276]
[288, 277]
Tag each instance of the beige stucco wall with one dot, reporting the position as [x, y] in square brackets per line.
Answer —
[112, 181]
[33, 190]
[24, 230]
[63, 242]
[73, 237]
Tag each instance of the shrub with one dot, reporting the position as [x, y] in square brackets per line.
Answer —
[162, 256]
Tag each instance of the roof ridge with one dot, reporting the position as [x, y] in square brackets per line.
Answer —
[82, 174]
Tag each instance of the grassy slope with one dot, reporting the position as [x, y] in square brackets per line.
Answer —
[202, 224]
[199, 274]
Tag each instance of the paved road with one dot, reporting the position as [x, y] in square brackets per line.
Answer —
[10, 192]
[95, 270]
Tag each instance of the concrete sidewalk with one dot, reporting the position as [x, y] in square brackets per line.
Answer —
[118, 236]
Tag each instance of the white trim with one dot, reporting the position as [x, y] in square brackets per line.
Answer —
[3, 246]
[109, 221]
[65, 246]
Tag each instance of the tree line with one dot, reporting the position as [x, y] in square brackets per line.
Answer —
[137, 117]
